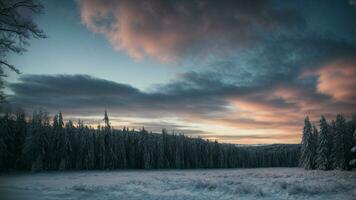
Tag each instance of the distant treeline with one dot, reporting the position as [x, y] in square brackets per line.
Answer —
[39, 144]
[330, 147]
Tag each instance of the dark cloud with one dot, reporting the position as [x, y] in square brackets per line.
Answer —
[78, 85]
[80, 92]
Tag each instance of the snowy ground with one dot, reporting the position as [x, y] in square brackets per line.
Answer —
[267, 183]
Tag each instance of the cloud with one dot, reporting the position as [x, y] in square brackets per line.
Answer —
[265, 70]
[338, 80]
[167, 30]
[191, 106]
[78, 85]
[352, 2]
[76, 93]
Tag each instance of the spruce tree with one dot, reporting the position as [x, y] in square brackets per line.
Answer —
[353, 122]
[314, 146]
[323, 150]
[340, 161]
[6, 139]
[332, 131]
[348, 144]
[106, 120]
[50, 146]
[60, 120]
[352, 162]
[307, 157]
[55, 121]
[61, 140]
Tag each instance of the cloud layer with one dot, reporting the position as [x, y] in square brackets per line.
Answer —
[213, 107]
[167, 30]
[255, 68]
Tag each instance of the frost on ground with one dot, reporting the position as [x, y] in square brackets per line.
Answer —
[266, 183]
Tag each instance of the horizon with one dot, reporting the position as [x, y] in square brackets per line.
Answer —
[235, 72]
[99, 122]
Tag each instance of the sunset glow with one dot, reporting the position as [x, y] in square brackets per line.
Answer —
[244, 72]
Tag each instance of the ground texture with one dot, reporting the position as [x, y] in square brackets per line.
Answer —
[265, 183]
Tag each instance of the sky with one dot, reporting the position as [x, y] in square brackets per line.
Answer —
[245, 72]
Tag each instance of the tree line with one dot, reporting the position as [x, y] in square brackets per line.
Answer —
[40, 143]
[329, 147]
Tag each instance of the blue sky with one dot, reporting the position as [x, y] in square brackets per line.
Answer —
[73, 49]
[235, 71]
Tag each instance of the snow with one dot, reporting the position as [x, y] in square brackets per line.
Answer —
[352, 162]
[242, 184]
[353, 150]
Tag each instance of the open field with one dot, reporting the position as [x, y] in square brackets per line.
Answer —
[263, 183]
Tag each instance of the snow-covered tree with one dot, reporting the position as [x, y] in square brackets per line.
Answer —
[6, 139]
[340, 133]
[314, 146]
[323, 150]
[52, 146]
[37, 143]
[352, 162]
[353, 122]
[308, 148]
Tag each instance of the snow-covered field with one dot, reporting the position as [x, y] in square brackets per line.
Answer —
[266, 183]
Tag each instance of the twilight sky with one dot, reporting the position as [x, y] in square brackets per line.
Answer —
[238, 71]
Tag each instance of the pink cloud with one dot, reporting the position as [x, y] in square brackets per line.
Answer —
[165, 30]
[338, 80]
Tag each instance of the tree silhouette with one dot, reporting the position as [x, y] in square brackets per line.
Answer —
[16, 29]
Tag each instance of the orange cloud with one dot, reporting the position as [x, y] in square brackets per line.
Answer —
[128, 27]
[165, 30]
[338, 80]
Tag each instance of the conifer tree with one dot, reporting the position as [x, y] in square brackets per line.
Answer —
[352, 162]
[323, 151]
[50, 146]
[55, 121]
[37, 141]
[332, 131]
[348, 142]
[5, 143]
[106, 120]
[60, 120]
[307, 153]
[59, 142]
[353, 122]
[20, 136]
[314, 146]
[340, 161]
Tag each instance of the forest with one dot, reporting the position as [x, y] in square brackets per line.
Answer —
[333, 146]
[39, 143]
